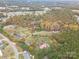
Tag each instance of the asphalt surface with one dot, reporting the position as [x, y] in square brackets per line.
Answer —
[12, 45]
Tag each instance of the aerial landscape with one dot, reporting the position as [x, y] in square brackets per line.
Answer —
[39, 29]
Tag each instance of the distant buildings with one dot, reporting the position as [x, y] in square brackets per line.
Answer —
[2, 8]
[16, 10]
[75, 11]
[25, 8]
[47, 9]
[57, 8]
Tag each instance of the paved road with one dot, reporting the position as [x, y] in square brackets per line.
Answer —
[12, 45]
[78, 19]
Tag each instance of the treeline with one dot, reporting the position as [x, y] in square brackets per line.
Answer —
[67, 47]
[45, 21]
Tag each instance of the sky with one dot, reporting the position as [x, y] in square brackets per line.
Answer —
[41, 0]
[62, 0]
[58, 0]
[46, 0]
[52, 0]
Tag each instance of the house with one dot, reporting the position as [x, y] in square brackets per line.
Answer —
[44, 45]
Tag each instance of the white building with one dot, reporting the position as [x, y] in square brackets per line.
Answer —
[26, 55]
[10, 14]
[47, 9]
[2, 8]
[57, 8]
[1, 54]
[25, 8]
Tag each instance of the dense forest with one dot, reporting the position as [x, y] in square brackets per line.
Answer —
[60, 45]
[45, 21]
